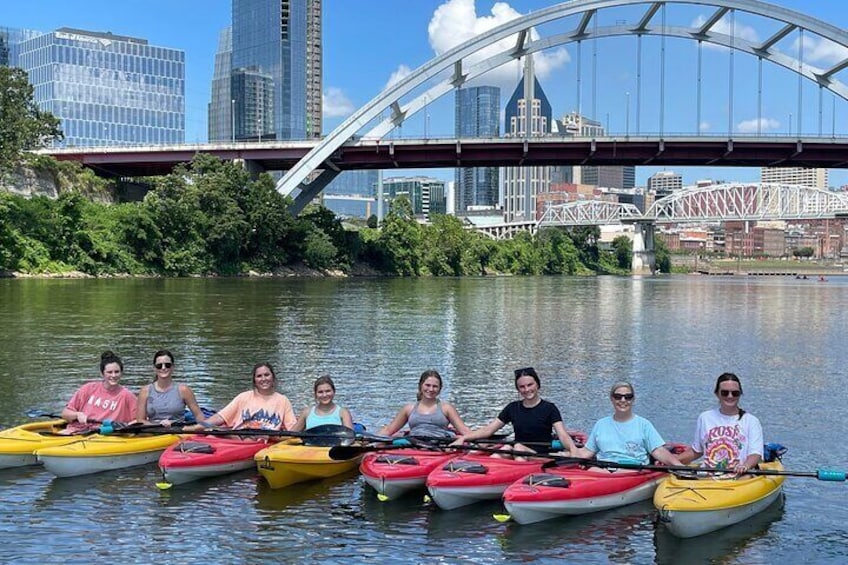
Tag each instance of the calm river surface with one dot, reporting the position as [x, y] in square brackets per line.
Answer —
[670, 336]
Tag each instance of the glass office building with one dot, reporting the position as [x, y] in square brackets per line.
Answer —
[477, 114]
[107, 89]
[276, 63]
[220, 126]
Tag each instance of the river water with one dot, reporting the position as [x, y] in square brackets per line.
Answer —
[670, 336]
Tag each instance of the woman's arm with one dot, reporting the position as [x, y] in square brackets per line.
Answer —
[347, 419]
[663, 455]
[190, 401]
[399, 422]
[141, 404]
[481, 433]
[74, 416]
[688, 455]
[455, 419]
[300, 425]
[564, 438]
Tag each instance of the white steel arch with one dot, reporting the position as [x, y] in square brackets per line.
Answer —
[590, 213]
[751, 201]
[320, 156]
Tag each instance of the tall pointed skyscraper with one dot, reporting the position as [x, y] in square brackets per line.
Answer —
[528, 114]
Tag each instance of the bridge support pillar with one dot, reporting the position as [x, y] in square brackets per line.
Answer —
[644, 258]
[253, 168]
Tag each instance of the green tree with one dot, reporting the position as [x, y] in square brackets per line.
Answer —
[400, 239]
[22, 125]
[623, 249]
[446, 243]
[560, 254]
[803, 252]
[662, 256]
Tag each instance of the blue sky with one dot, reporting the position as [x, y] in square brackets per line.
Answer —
[367, 42]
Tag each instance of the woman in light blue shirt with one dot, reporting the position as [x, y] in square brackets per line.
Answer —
[325, 411]
[625, 437]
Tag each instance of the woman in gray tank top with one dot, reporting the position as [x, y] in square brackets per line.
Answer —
[164, 401]
[429, 416]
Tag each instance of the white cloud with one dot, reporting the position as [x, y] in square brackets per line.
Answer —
[335, 103]
[401, 73]
[750, 126]
[456, 21]
[726, 27]
[820, 50]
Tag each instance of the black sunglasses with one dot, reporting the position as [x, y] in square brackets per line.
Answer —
[525, 372]
[162, 365]
[619, 396]
[733, 393]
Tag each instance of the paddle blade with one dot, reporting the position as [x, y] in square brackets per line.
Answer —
[328, 435]
[345, 452]
[164, 485]
[382, 497]
[502, 517]
[38, 413]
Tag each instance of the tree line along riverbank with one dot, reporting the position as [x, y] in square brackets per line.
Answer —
[212, 218]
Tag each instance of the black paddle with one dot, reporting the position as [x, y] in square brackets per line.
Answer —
[331, 433]
[820, 474]
[345, 452]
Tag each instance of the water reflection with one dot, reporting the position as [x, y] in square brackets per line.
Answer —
[728, 545]
[671, 336]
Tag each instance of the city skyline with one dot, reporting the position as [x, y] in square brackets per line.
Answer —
[361, 56]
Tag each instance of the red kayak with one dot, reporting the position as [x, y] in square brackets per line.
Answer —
[568, 491]
[571, 491]
[472, 478]
[199, 457]
[397, 471]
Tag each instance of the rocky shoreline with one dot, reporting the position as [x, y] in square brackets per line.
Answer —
[284, 272]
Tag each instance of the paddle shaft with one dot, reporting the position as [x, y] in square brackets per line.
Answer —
[344, 452]
[821, 474]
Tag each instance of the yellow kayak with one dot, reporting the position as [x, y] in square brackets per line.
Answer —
[693, 507]
[96, 453]
[291, 462]
[18, 444]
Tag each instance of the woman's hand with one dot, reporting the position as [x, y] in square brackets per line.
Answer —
[82, 418]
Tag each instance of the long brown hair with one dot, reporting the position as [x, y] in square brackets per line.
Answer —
[724, 377]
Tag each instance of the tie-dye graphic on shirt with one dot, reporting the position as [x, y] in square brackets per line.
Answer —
[723, 445]
[260, 420]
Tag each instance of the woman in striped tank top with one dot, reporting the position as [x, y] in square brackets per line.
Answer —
[325, 411]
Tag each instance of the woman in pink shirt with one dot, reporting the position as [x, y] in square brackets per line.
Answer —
[101, 400]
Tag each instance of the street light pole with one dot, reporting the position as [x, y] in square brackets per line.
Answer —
[233, 117]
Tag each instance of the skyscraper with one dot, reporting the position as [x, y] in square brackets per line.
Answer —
[220, 125]
[523, 119]
[608, 176]
[477, 115]
[275, 70]
[106, 89]
[816, 178]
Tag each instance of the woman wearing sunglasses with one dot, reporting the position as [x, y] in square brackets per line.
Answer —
[163, 401]
[625, 437]
[727, 436]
